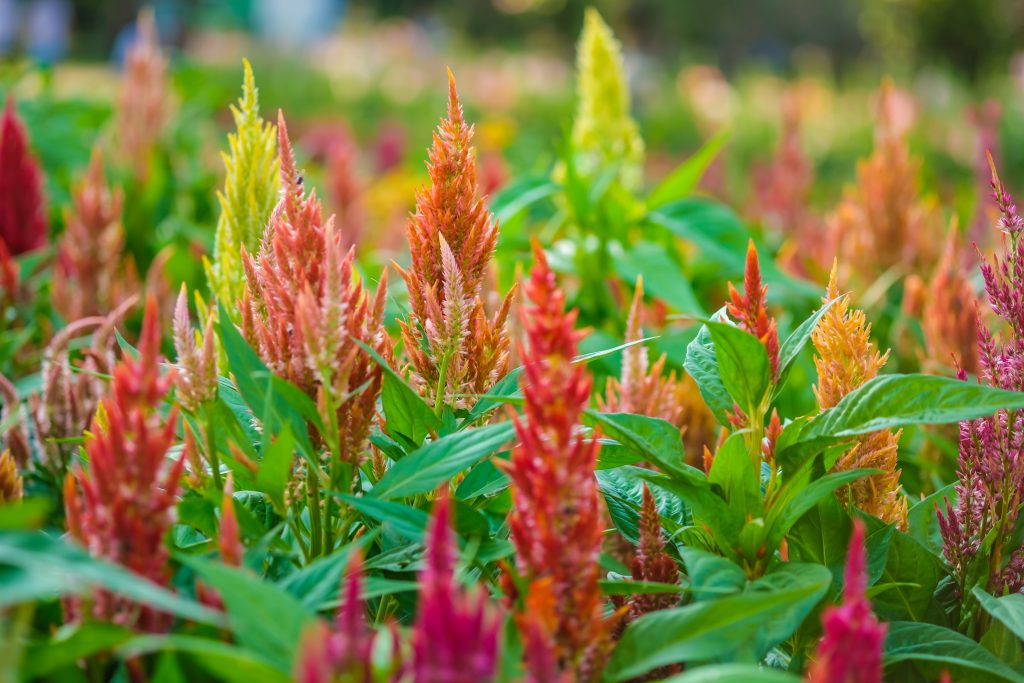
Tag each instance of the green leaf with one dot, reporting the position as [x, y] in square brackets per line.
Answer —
[715, 629]
[404, 410]
[628, 587]
[796, 498]
[406, 520]
[914, 573]
[506, 387]
[34, 566]
[623, 491]
[733, 673]
[28, 513]
[483, 480]
[706, 505]
[922, 522]
[683, 180]
[275, 468]
[742, 364]
[520, 194]
[711, 576]
[318, 583]
[652, 438]
[734, 471]
[1008, 609]
[70, 644]
[438, 461]
[794, 344]
[227, 662]
[702, 364]
[663, 277]
[931, 649]
[264, 618]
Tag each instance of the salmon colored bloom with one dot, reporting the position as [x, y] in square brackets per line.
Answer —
[196, 378]
[750, 310]
[89, 277]
[22, 205]
[850, 651]
[304, 310]
[846, 358]
[456, 635]
[11, 485]
[454, 348]
[142, 105]
[949, 315]
[123, 506]
[556, 519]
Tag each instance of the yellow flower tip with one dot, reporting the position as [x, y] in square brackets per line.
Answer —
[833, 281]
[11, 487]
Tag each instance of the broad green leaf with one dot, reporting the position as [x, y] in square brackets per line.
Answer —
[931, 649]
[404, 410]
[70, 644]
[318, 583]
[922, 522]
[483, 480]
[715, 629]
[264, 618]
[628, 587]
[439, 461]
[711, 576]
[796, 498]
[404, 519]
[914, 573]
[663, 277]
[520, 194]
[28, 513]
[275, 468]
[706, 505]
[734, 471]
[742, 363]
[733, 673]
[228, 663]
[506, 387]
[654, 439]
[683, 180]
[794, 344]
[1008, 609]
[702, 364]
[623, 491]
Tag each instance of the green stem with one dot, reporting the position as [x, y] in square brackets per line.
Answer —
[211, 447]
[442, 383]
[313, 498]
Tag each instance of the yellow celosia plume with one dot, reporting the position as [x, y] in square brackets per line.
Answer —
[250, 191]
[604, 133]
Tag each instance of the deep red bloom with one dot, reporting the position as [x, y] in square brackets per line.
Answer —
[651, 562]
[850, 650]
[22, 206]
[556, 521]
[751, 312]
[122, 508]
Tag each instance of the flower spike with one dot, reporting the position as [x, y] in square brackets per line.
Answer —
[22, 206]
[750, 309]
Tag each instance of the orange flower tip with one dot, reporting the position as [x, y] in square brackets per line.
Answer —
[149, 343]
[992, 166]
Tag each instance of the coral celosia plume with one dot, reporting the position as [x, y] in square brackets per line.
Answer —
[850, 650]
[846, 358]
[556, 520]
[22, 207]
[142, 104]
[249, 194]
[750, 310]
[455, 349]
[123, 506]
[196, 378]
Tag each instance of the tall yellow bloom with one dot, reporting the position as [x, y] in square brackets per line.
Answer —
[604, 133]
[250, 191]
[846, 359]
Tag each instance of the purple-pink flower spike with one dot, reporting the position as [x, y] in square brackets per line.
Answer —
[456, 636]
[850, 651]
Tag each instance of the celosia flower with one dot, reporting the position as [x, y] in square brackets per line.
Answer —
[196, 379]
[644, 389]
[603, 132]
[991, 471]
[750, 310]
[346, 652]
[346, 189]
[22, 206]
[881, 222]
[142, 103]
[304, 310]
[846, 358]
[11, 486]
[250, 190]
[123, 506]
[88, 278]
[850, 650]
[456, 635]
[556, 520]
[652, 563]
[949, 315]
[455, 350]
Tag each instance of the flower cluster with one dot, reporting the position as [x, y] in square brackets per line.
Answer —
[11, 485]
[651, 562]
[556, 521]
[846, 358]
[250, 190]
[949, 316]
[304, 311]
[750, 310]
[850, 650]
[644, 388]
[22, 207]
[456, 635]
[991, 472]
[88, 278]
[122, 507]
[142, 103]
[454, 348]
[196, 378]
[603, 132]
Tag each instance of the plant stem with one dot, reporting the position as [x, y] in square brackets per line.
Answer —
[442, 382]
[211, 447]
[313, 498]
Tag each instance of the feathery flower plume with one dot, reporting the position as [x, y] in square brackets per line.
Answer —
[346, 189]
[556, 520]
[456, 635]
[142, 103]
[603, 132]
[122, 508]
[455, 350]
[196, 378]
[644, 389]
[750, 310]
[22, 205]
[304, 310]
[846, 358]
[249, 194]
[991, 471]
[652, 563]
[850, 650]
[88, 278]
[10, 481]
[949, 314]
[881, 222]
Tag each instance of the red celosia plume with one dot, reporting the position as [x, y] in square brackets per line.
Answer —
[22, 207]
[751, 312]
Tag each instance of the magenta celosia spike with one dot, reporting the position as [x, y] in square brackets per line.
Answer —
[456, 635]
[1009, 220]
[22, 207]
[851, 646]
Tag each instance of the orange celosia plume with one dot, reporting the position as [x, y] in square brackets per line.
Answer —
[142, 103]
[750, 310]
